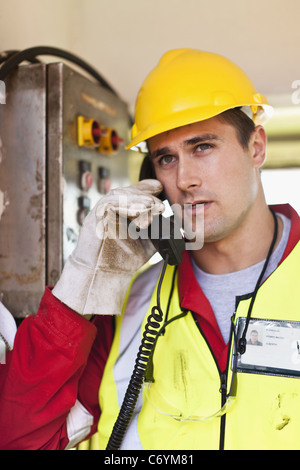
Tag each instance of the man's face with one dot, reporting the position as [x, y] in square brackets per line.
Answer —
[203, 167]
[254, 337]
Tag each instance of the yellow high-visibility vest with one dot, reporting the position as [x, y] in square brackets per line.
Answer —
[182, 408]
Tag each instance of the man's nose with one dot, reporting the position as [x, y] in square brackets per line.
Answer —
[188, 176]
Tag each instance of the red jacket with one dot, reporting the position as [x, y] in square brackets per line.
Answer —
[59, 357]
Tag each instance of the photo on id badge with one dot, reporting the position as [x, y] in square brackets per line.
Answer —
[273, 347]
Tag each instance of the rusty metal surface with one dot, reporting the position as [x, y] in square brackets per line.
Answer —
[22, 187]
[39, 174]
[70, 94]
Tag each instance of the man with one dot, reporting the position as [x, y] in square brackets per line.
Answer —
[192, 118]
[254, 341]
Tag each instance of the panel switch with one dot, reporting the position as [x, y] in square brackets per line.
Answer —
[84, 208]
[88, 132]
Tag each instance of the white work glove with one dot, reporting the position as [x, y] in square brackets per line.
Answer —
[97, 274]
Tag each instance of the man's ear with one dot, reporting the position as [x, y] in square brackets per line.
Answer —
[257, 146]
[147, 171]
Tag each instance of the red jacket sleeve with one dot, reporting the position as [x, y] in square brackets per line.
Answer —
[89, 383]
[39, 382]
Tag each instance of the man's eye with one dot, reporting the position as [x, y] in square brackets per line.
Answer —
[203, 147]
[166, 160]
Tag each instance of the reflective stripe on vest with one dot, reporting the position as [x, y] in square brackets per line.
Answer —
[266, 411]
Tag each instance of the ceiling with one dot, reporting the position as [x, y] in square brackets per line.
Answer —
[125, 39]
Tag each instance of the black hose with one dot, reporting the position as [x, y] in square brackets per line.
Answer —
[5, 55]
[14, 59]
[138, 374]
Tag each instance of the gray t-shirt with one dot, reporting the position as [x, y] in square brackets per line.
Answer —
[222, 289]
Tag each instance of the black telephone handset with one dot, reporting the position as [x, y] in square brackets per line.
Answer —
[165, 241]
[166, 236]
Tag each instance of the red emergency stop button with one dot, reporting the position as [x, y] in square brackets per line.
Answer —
[87, 180]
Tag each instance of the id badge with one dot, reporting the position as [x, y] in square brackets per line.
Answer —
[273, 347]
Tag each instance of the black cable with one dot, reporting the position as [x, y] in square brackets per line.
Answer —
[5, 55]
[144, 353]
[14, 59]
[242, 341]
[149, 375]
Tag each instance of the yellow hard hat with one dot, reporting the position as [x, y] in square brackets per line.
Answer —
[187, 86]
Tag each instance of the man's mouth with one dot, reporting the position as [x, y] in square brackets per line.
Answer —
[197, 206]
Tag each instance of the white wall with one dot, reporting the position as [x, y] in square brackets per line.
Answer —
[124, 39]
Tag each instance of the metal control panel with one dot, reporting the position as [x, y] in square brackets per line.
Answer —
[62, 142]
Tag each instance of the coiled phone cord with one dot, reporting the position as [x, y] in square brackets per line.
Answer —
[134, 387]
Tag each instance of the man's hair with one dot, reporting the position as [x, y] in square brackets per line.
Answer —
[243, 124]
